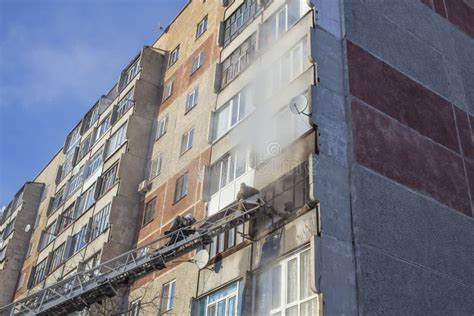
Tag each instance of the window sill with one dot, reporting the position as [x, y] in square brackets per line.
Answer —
[115, 150]
[184, 152]
[146, 224]
[159, 137]
[108, 190]
[186, 111]
[195, 70]
[180, 199]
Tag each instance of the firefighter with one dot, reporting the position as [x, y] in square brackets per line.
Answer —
[246, 191]
[180, 222]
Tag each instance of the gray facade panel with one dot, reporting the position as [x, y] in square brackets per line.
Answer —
[329, 115]
[338, 283]
[329, 16]
[331, 185]
[410, 226]
[464, 47]
[390, 286]
[369, 28]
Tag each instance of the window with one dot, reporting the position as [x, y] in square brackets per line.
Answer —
[117, 139]
[155, 167]
[223, 302]
[227, 169]
[167, 296]
[78, 240]
[57, 257]
[73, 138]
[108, 179]
[198, 60]
[57, 201]
[236, 22]
[102, 128]
[85, 146]
[38, 273]
[201, 27]
[90, 118]
[125, 104]
[192, 99]
[134, 308]
[187, 141]
[85, 201]
[100, 222]
[68, 164]
[66, 218]
[288, 68]
[231, 113]
[92, 262]
[226, 240]
[74, 183]
[239, 60]
[94, 164]
[9, 229]
[131, 72]
[162, 125]
[149, 212]
[173, 57]
[168, 91]
[285, 288]
[181, 188]
[47, 236]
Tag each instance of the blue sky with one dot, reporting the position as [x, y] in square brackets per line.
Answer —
[57, 57]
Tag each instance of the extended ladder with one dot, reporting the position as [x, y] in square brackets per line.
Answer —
[88, 287]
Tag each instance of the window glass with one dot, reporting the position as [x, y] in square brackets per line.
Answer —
[201, 27]
[117, 139]
[162, 125]
[167, 297]
[223, 302]
[286, 286]
[181, 189]
[149, 211]
[174, 55]
[192, 99]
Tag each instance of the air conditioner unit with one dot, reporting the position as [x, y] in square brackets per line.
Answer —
[144, 186]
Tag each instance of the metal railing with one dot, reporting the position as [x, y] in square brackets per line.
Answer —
[88, 287]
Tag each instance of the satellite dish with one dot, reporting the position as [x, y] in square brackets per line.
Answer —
[201, 259]
[27, 228]
[298, 104]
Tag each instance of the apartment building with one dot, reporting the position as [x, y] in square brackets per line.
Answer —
[89, 206]
[15, 231]
[353, 120]
[256, 59]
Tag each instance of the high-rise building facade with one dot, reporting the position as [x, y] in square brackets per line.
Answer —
[345, 125]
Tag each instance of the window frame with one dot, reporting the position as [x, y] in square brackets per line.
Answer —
[169, 299]
[162, 127]
[107, 183]
[168, 90]
[194, 96]
[174, 57]
[197, 61]
[187, 141]
[149, 213]
[181, 187]
[201, 27]
[284, 305]
[116, 140]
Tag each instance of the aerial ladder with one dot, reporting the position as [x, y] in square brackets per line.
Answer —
[85, 288]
